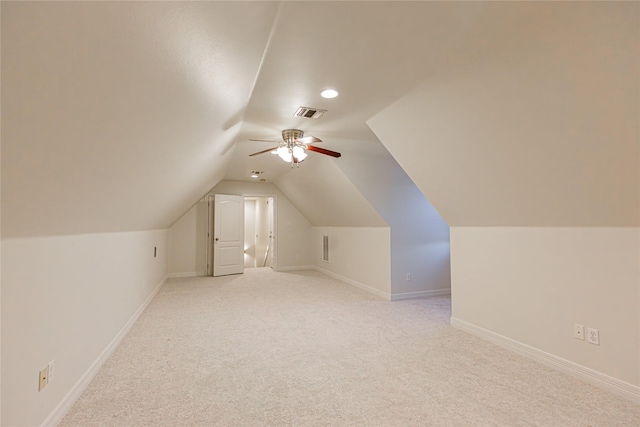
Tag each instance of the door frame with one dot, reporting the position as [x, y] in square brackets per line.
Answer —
[210, 199]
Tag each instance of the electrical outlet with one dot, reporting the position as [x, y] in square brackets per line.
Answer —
[408, 277]
[578, 332]
[43, 377]
[50, 366]
[593, 336]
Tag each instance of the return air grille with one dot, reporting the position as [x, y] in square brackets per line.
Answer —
[309, 113]
[325, 248]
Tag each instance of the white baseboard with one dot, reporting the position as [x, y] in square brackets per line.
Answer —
[421, 294]
[296, 268]
[56, 416]
[183, 274]
[352, 282]
[588, 375]
[377, 292]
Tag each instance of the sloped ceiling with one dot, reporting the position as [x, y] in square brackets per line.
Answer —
[381, 180]
[372, 52]
[545, 132]
[119, 116]
[326, 197]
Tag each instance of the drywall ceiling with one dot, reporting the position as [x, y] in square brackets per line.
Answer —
[545, 132]
[119, 116]
[326, 197]
[371, 52]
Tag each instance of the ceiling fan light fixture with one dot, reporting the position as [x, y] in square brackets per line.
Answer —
[298, 153]
[285, 154]
[294, 146]
[329, 93]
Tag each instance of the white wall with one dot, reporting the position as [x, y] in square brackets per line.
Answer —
[182, 249]
[540, 135]
[533, 284]
[293, 231]
[187, 240]
[66, 298]
[358, 235]
[359, 255]
[419, 235]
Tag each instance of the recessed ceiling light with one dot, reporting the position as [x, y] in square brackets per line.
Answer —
[329, 93]
[254, 175]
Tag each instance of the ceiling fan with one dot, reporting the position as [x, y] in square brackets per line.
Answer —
[293, 145]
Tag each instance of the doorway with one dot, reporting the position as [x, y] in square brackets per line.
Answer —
[259, 233]
[225, 234]
[259, 241]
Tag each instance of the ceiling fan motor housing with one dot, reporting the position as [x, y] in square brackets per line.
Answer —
[292, 135]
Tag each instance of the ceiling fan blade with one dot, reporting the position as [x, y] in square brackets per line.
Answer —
[263, 140]
[308, 140]
[324, 151]
[263, 151]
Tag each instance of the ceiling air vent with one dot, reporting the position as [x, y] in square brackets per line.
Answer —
[309, 113]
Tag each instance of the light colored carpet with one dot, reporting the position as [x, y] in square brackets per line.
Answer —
[302, 349]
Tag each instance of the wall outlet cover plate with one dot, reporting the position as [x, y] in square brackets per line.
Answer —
[43, 377]
[578, 332]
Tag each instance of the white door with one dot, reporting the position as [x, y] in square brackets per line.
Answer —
[228, 235]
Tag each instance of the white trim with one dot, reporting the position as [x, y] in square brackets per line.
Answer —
[390, 297]
[274, 241]
[295, 268]
[421, 294]
[589, 375]
[182, 274]
[56, 416]
[353, 282]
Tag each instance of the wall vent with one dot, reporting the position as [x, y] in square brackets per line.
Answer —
[309, 113]
[325, 248]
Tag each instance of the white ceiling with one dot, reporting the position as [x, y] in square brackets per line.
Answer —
[326, 197]
[544, 133]
[371, 52]
[119, 116]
